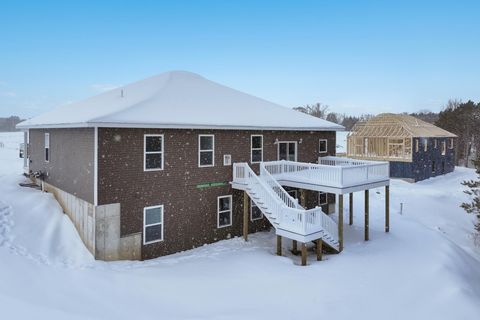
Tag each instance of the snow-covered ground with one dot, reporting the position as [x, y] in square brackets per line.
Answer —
[425, 268]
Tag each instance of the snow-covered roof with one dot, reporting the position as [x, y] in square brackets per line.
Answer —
[178, 99]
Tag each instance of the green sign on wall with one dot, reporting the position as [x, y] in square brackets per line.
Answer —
[211, 184]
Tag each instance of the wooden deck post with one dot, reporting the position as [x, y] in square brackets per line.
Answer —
[304, 254]
[340, 221]
[350, 208]
[294, 248]
[366, 214]
[319, 249]
[279, 245]
[387, 208]
[302, 197]
[245, 216]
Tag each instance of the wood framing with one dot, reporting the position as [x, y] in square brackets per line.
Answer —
[389, 137]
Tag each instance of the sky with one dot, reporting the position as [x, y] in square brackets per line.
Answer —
[355, 56]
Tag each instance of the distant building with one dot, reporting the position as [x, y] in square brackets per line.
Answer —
[416, 150]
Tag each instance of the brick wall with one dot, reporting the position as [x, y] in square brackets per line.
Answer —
[190, 213]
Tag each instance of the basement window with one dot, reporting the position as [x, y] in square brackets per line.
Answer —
[47, 147]
[153, 152]
[322, 198]
[224, 211]
[256, 145]
[322, 146]
[255, 212]
[206, 146]
[152, 224]
[434, 166]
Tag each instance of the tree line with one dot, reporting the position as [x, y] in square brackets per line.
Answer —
[8, 124]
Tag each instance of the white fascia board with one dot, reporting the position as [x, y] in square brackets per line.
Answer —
[176, 126]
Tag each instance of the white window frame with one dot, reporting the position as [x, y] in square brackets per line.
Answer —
[320, 143]
[47, 147]
[326, 198]
[252, 148]
[153, 224]
[222, 211]
[209, 150]
[253, 204]
[152, 152]
[293, 193]
[296, 149]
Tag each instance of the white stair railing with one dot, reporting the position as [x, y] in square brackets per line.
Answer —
[282, 210]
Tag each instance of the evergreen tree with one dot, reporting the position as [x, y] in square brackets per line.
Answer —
[474, 206]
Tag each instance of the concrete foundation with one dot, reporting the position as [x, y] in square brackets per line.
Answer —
[98, 227]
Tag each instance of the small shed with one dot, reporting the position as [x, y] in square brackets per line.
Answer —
[416, 149]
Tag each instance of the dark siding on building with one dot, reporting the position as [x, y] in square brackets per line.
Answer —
[190, 213]
[71, 163]
[426, 164]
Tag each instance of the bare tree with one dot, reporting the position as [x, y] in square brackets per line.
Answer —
[317, 110]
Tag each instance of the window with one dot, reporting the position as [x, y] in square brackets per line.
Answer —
[433, 166]
[256, 143]
[287, 151]
[323, 146]
[255, 212]
[451, 143]
[416, 145]
[224, 211]
[153, 152]
[47, 147]
[425, 144]
[206, 154]
[396, 148]
[322, 198]
[293, 193]
[152, 224]
[436, 143]
[444, 147]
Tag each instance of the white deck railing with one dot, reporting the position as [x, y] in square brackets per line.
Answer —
[332, 171]
[279, 205]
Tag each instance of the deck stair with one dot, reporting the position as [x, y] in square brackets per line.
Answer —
[283, 211]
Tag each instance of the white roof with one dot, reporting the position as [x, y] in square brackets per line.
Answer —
[178, 99]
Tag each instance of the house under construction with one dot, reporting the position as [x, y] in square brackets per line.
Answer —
[416, 149]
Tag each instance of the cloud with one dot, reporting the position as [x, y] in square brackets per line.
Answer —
[102, 87]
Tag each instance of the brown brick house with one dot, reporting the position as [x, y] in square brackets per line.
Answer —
[147, 169]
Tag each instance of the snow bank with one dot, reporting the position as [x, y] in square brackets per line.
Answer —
[425, 268]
